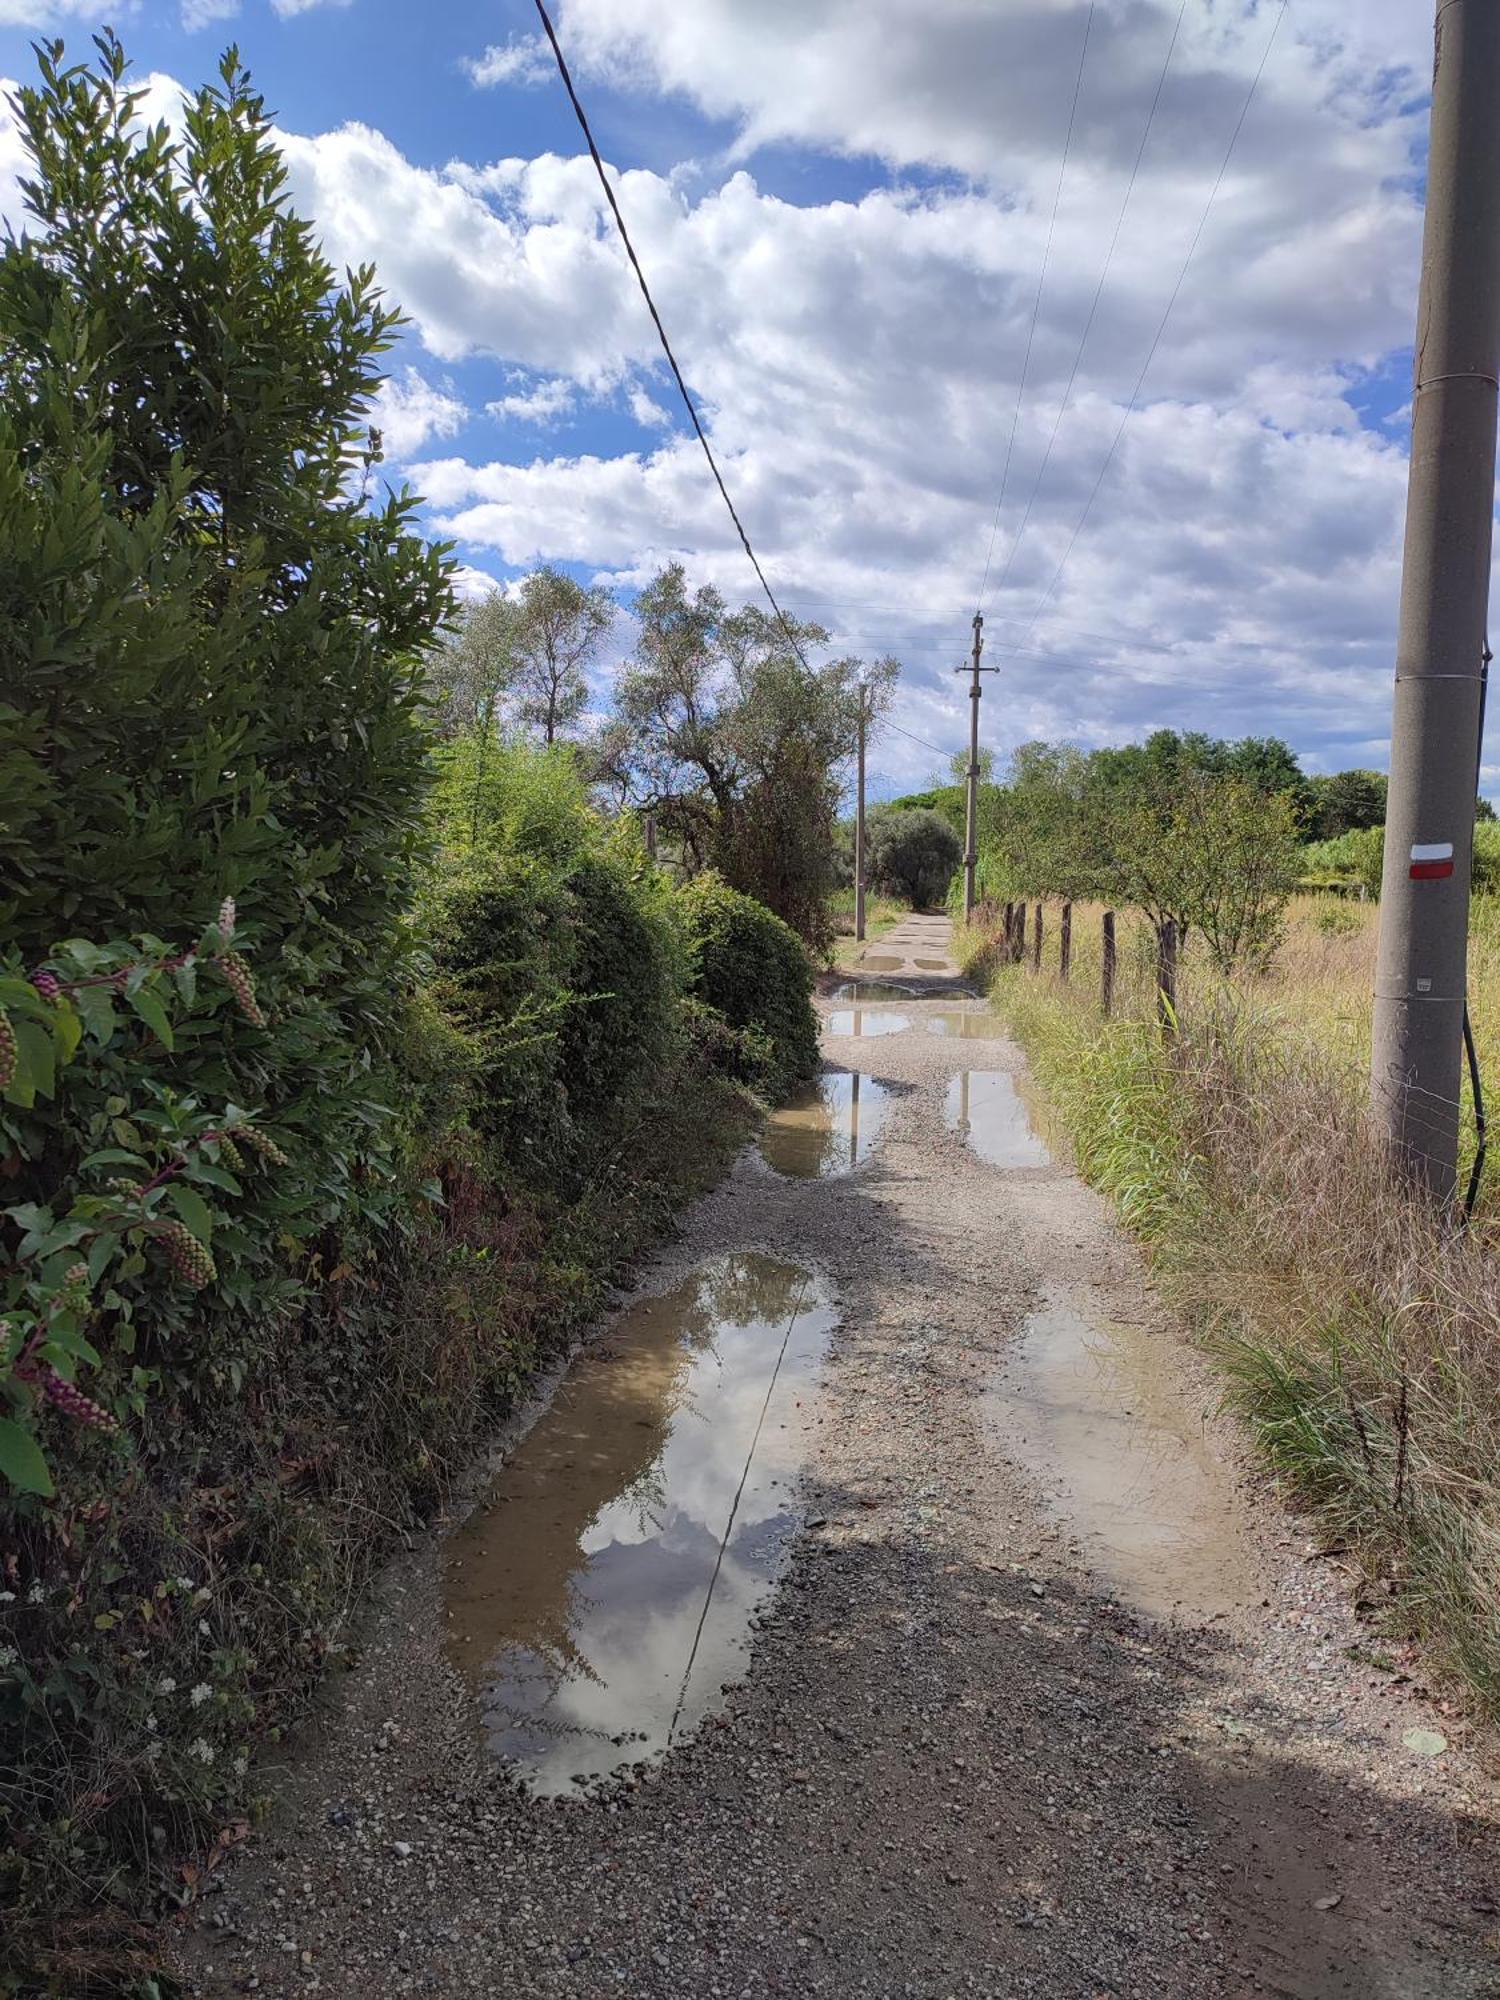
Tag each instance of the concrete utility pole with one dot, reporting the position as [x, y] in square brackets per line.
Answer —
[1422, 965]
[859, 825]
[971, 818]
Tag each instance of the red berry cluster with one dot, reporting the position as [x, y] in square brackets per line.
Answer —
[9, 1055]
[237, 973]
[71, 1400]
[189, 1258]
[47, 984]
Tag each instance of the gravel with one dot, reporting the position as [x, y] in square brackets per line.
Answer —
[962, 1762]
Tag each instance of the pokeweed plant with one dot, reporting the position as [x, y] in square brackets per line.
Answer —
[155, 1187]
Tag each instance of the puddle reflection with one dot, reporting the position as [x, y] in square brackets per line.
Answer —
[827, 1128]
[866, 1021]
[1095, 1410]
[969, 1024]
[984, 1110]
[588, 1603]
[866, 990]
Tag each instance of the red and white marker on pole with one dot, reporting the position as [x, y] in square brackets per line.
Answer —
[1431, 860]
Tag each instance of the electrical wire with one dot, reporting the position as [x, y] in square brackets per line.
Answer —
[734, 1509]
[1088, 325]
[661, 331]
[886, 723]
[1036, 304]
[1140, 380]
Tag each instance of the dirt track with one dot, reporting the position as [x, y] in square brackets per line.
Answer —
[965, 1760]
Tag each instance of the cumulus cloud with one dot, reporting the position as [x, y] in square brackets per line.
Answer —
[857, 360]
[287, 8]
[197, 14]
[523, 60]
[543, 403]
[408, 410]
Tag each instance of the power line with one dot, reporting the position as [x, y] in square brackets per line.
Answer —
[666, 345]
[886, 723]
[1162, 325]
[1036, 304]
[1088, 325]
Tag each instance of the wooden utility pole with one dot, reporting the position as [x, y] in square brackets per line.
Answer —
[1065, 943]
[1421, 970]
[859, 825]
[971, 817]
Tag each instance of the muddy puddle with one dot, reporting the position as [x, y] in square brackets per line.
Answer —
[931, 964]
[866, 1021]
[969, 1024]
[985, 1110]
[1096, 1410]
[827, 1128]
[868, 991]
[601, 1594]
[883, 964]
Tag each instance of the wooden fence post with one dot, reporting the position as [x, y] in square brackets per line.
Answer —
[1007, 933]
[1107, 977]
[1166, 975]
[1036, 942]
[1065, 942]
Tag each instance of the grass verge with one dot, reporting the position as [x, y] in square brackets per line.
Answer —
[1359, 1336]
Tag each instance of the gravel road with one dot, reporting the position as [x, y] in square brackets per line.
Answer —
[966, 1758]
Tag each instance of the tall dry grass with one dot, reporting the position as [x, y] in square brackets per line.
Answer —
[1359, 1333]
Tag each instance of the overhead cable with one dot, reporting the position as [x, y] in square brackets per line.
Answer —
[1140, 380]
[1036, 304]
[666, 345]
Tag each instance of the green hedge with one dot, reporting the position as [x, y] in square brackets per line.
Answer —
[753, 970]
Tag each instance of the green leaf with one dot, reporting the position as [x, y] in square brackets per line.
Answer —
[67, 1031]
[21, 1460]
[113, 1156]
[193, 1209]
[153, 1014]
[97, 1006]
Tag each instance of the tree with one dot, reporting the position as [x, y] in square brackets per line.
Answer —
[559, 630]
[737, 743]
[1211, 853]
[477, 666]
[958, 766]
[1345, 803]
[912, 854]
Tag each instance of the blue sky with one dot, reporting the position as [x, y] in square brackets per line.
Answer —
[846, 207]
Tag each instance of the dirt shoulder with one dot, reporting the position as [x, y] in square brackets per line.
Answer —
[962, 1761]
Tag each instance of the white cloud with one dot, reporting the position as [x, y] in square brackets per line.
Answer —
[543, 403]
[470, 583]
[197, 14]
[856, 360]
[525, 60]
[408, 410]
[647, 411]
[287, 8]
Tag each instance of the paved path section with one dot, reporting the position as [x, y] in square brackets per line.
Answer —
[1053, 1700]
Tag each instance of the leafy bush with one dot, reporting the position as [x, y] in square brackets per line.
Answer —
[752, 969]
[212, 657]
[1360, 856]
[913, 853]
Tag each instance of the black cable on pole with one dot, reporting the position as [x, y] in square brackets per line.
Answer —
[1476, 1084]
[666, 345]
[1088, 325]
[1140, 380]
[1036, 306]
